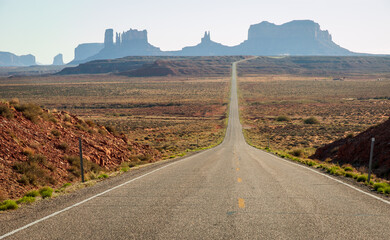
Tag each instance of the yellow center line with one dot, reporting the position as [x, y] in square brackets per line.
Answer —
[239, 180]
[241, 203]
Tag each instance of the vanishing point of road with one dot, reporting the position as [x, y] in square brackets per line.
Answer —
[232, 191]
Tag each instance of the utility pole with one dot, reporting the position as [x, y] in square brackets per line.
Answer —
[371, 156]
[81, 160]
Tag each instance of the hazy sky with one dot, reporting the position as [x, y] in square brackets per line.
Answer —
[45, 28]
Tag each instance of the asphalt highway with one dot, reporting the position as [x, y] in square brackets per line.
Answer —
[232, 191]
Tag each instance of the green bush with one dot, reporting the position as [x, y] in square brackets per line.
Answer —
[311, 120]
[103, 176]
[349, 174]
[66, 185]
[46, 192]
[333, 170]
[26, 199]
[348, 169]
[8, 205]
[33, 193]
[380, 185]
[362, 178]
[283, 119]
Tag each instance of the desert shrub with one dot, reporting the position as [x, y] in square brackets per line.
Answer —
[103, 176]
[37, 158]
[5, 111]
[66, 118]
[380, 185]
[310, 163]
[311, 120]
[90, 123]
[350, 135]
[362, 178]
[32, 172]
[8, 205]
[297, 152]
[102, 132]
[348, 169]
[333, 170]
[89, 166]
[55, 132]
[111, 129]
[63, 146]
[30, 111]
[46, 192]
[349, 174]
[145, 157]
[81, 127]
[283, 119]
[386, 190]
[33, 193]
[26, 199]
[28, 151]
[14, 101]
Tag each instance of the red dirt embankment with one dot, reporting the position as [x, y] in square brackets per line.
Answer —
[36, 148]
[356, 150]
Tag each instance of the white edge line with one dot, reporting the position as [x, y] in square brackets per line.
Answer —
[325, 175]
[97, 195]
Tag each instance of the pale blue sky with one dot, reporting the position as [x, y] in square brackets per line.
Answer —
[45, 28]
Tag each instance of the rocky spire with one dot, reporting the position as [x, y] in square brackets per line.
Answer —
[58, 60]
[206, 37]
[108, 38]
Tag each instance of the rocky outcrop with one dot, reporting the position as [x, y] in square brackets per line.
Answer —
[58, 60]
[42, 144]
[356, 150]
[10, 60]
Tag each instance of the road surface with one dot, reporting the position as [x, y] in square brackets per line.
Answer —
[232, 191]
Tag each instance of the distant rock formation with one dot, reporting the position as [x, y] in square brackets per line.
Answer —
[58, 60]
[130, 43]
[299, 37]
[8, 59]
[86, 50]
[108, 38]
[206, 47]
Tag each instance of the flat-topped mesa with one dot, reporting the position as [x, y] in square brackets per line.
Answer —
[298, 29]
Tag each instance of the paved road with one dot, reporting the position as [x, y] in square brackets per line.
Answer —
[233, 191]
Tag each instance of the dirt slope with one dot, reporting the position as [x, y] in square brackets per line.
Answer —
[356, 150]
[41, 148]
